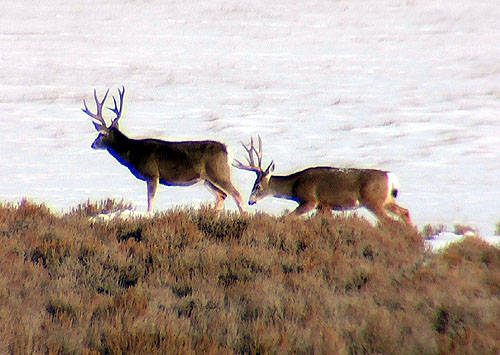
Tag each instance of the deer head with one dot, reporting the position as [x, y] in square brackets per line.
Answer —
[106, 133]
[261, 186]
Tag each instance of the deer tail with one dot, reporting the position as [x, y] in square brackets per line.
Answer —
[392, 186]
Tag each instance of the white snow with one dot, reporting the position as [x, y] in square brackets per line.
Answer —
[407, 86]
[444, 239]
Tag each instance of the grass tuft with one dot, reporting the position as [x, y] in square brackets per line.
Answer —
[94, 208]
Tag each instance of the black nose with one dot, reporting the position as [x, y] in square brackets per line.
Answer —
[251, 203]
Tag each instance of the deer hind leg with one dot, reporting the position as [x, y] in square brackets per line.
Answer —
[381, 215]
[400, 211]
[304, 207]
[220, 195]
[324, 210]
[226, 187]
[218, 174]
[237, 198]
[152, 185]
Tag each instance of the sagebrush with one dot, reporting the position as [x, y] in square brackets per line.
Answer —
[194, 281]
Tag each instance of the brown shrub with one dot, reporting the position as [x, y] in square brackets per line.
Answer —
[428, 231]
[463, 229]
[94, 208]
[194, 281]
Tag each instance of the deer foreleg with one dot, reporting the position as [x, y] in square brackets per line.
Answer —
[152, 185]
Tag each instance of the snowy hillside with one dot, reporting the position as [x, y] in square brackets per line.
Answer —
[408, 86]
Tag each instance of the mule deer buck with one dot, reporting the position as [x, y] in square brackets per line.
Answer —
[326, 188]
[168, 163]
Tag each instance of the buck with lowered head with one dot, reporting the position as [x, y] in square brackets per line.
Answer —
[169, 163]
[326, 188]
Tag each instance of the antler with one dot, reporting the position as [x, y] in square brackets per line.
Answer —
[96, 116]
[116, 110]
[251, 166]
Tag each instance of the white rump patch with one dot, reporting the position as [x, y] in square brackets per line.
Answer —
[230, 156]
[392, 186]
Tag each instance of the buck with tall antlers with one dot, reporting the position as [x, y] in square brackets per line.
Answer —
[169, 163]
[326, 188]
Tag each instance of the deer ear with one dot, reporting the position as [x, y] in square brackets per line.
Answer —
[114, 124]
[99, 127]
[270, 168]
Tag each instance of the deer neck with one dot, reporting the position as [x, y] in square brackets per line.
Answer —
[120, 146]
[281, 186]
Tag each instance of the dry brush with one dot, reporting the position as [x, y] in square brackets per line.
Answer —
[194, 281]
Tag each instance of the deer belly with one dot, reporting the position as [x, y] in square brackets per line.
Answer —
[339, 199]
[179, 181]
[343, 201]
[179, 177]
[346, 205]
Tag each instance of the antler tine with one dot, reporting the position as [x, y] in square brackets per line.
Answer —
[98, 115]
[116, 110]
[98, 103]
[259, 154]
[251, 167]
[238, 164]
[250, 149]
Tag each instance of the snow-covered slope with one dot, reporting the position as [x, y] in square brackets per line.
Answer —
[408, 86]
